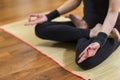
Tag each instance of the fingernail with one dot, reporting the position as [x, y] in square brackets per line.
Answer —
[80, 61]
[89, 48]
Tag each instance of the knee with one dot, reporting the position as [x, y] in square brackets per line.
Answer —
[39, 30]
[86, 65]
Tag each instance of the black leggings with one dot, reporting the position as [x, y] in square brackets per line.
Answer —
[66, 31]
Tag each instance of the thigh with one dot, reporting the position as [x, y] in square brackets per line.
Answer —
[54, 23]
[102, 54]
[60, 31]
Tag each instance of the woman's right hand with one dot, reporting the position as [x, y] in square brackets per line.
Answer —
[89, 51]
[36, 18]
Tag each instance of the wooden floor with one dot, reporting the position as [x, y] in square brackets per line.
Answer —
[19, 61]
[14, 10]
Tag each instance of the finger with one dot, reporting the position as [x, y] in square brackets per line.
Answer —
[83, 57]
[34, 15]
[83, 52]
[92, 51]
[81, 60]
[89, 51]
[32, 19]
[33, 22]
[30, 23]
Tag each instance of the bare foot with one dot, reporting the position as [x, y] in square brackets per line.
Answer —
[95, 30]
[78, 21]
[115, 34]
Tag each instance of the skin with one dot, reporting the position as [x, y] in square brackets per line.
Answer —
[77, 21]
[110, 21]
[80, 23]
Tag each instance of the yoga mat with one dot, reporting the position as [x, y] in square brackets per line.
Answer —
[64, 53]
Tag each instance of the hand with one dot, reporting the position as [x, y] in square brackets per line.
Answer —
[36, 18]
[89, 52]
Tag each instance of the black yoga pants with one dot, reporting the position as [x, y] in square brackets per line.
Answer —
[66, 31]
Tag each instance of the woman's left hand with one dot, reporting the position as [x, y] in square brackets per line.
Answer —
[36, 18]
[89, 51]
